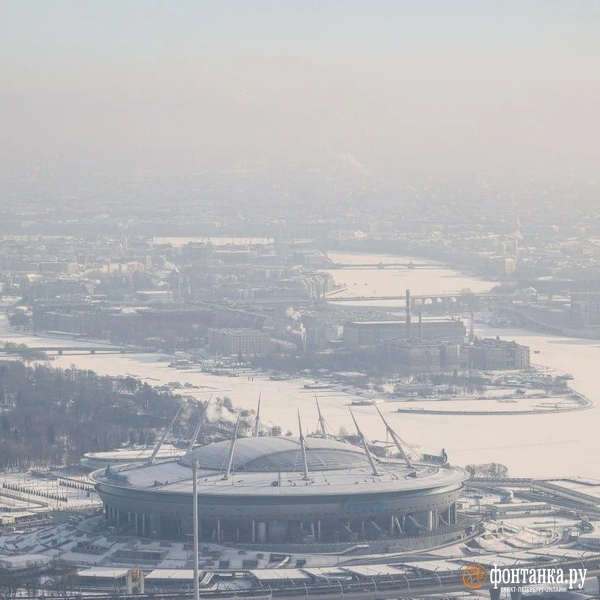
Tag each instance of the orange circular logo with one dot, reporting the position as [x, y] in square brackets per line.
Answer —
[474, 576]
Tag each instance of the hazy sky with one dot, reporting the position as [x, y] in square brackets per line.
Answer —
[448, 85]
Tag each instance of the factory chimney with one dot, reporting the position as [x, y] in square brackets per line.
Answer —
[408, 314]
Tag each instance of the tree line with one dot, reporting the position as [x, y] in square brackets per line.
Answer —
[51, 417]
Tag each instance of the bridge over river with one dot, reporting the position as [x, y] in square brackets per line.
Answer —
[394, 265]
[60, 350]
[416, 300]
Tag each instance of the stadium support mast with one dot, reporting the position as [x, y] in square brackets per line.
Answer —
[363, 442]
[408, 323]
[199, 427]
[306, 476]
[163, 437]
[256, 427]
[321, 420]
[232, 448]
[400, 444]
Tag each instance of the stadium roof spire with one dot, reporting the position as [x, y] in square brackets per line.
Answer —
[256, 426]
[303, 448]
[400, 444]
[363, 442]
[199, 427]
[232, 448]
[321, 420]
[163, 437]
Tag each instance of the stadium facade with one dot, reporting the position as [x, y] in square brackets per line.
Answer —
[281, 490]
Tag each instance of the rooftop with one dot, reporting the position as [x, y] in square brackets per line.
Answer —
[278, 454]
[273, 466]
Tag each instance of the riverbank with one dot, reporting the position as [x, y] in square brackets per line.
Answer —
[530, 445]
[562, 405]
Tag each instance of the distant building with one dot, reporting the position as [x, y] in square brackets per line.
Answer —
[35, 289]
[154, 295]
[76, 319]
[235, 256]
[319, 333]
[195, 252]
[225, 316]
[369, 333]
[54, 266]
[491, 354]
[420, 356]
[502, 265]
[231, 342]
[585, 309]
[351, 378]
[510, 266]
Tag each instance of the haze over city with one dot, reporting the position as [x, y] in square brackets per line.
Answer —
[299, 299]
[384, 89]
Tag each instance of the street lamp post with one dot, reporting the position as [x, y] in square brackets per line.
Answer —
[195, 524]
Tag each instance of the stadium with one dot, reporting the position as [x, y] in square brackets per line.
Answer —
[257, 490]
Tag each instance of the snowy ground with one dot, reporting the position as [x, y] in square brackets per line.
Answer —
[25, 494]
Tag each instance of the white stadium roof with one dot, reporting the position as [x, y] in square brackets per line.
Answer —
[273, 454]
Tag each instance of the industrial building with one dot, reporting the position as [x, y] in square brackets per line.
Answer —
[369, 333]
[257, 490]
[491, 354]
[231, 342]
[420, 356]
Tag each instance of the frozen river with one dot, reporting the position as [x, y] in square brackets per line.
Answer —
[436, 279]
[545, 445]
